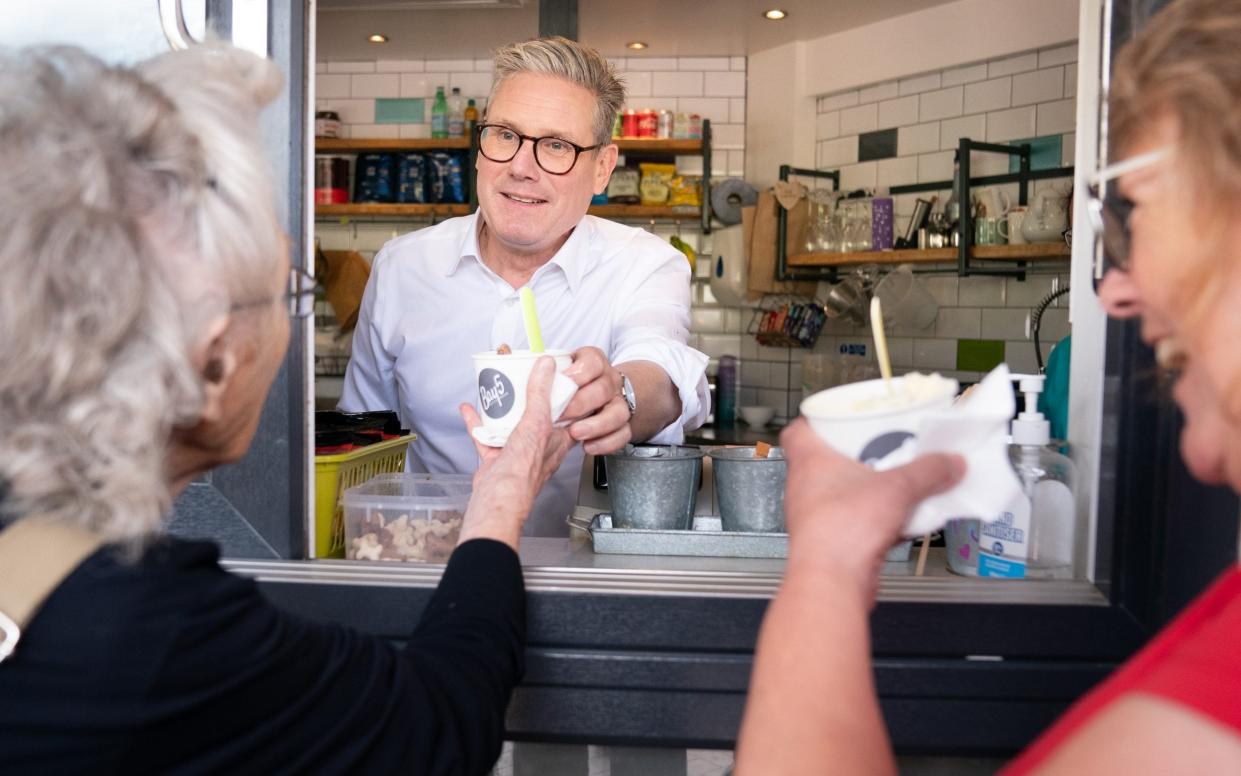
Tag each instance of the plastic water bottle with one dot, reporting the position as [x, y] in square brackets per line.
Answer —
[456, 113]
[439, 114]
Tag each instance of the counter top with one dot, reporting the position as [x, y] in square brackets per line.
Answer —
[741, 434]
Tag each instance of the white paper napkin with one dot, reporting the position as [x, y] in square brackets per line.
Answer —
[976, 428]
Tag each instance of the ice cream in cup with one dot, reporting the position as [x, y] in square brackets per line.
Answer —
[866, 421]
[502, 380]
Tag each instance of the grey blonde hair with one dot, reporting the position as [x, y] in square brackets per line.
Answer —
[1184, 65]
[137, 207]
[570, 60]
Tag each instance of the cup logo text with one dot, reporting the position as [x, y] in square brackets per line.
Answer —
[879, 447]
[495, 393]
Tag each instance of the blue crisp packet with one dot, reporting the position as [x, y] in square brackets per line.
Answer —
[444, 173]
[375, 177]
[412, 179]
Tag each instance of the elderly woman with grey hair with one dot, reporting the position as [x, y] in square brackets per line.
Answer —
[143, 281]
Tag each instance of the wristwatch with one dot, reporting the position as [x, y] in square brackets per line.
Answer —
[628, 395]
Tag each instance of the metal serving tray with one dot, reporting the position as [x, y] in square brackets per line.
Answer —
[706, 539]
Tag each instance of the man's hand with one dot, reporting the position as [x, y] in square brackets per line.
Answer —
[509, 478]
[842, 516]
[599, 413]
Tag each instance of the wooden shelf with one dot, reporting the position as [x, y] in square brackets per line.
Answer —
[648, 145]
[869, 257]
[681, 213]
[391, 210]
[644, 145]
[652, 146]
[390, 144]
[1048, 251]
[1056, 251]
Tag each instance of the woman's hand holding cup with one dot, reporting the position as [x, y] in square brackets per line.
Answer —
[842, 516]
[510, 477]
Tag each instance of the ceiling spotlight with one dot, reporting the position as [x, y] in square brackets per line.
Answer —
[774, 14]
[636, 45]
[378, 38]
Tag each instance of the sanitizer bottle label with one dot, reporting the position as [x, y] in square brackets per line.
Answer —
[1003, 545]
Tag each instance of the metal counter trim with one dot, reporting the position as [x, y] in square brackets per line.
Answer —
[690, 584]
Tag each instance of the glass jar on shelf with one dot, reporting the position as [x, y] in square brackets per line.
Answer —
[820, 206]
[865, 232]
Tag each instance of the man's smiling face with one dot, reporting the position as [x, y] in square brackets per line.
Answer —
[527, 210]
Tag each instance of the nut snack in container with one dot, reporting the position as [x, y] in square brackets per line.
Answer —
[406, 517]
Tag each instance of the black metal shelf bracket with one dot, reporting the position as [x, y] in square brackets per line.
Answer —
[782, 227]
[965, 224]
[706, 176]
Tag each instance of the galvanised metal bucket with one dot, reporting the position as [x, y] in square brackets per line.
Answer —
[749, 490]
[654, 487]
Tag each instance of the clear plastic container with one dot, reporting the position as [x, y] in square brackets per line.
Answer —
[406, 517]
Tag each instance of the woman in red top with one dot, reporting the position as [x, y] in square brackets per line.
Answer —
[1173, 228]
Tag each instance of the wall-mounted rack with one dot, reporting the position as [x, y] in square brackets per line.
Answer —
[823, 266]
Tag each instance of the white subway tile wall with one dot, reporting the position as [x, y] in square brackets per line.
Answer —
[884, 91]
[972, 101]
[864, 118]
[1021, 96]
[918, 138]
[713, 87]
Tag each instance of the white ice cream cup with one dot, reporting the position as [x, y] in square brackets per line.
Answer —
[869, 434]
[501, 382]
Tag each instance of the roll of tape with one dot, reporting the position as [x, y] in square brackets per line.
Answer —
[729, 196]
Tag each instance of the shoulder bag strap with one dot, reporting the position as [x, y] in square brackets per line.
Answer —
[36, 554]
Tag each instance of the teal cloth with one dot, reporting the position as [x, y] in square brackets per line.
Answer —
[1054, 401]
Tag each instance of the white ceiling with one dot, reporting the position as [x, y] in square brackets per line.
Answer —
[419, 29]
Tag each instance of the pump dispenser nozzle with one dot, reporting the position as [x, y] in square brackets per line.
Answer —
[1030, 427]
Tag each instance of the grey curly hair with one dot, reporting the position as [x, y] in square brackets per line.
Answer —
[138, 205]
[570, 60]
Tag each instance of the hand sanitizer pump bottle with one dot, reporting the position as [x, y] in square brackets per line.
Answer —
[1034, 542]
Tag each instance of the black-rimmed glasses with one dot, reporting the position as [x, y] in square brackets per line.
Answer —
[300, 295]
[1109, 212]
[554, 155]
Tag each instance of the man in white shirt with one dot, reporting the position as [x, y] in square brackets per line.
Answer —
[617, 297]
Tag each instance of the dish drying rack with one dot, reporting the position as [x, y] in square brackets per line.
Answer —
[787, 321]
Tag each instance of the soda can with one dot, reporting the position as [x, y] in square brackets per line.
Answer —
[665, 124]
[695, 127]
[648, 123]
[629, 123]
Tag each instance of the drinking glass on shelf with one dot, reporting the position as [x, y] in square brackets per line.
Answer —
[815, 216]
[859, 226]
[840, 230]
[865, 215]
